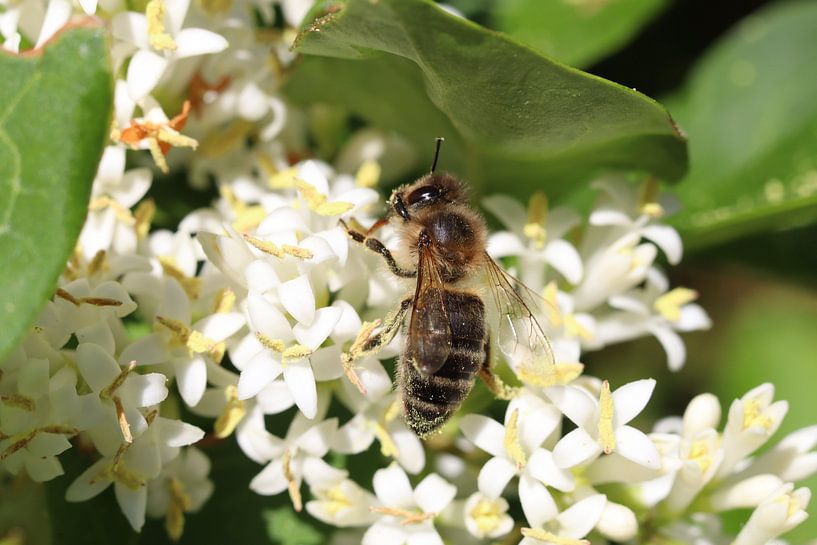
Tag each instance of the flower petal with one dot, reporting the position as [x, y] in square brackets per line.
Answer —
[265, 318]
[575, 403]
[260, 371]
[666, 238]
[537, 503]
[197, 41]
[191, 379]
[318, 331]
[301, 383]
[575, 448]
[629, 400]
[637, 447]
[434, 493]
[144, 72]
[673, 345]
[495, 475]
[580, 518]
[392, 487]
[565, 259]
[485, 433]
[298, 299]
[542, 466]
[97, 367]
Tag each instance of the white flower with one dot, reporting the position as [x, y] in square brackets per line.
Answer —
[701, 455]
[779, 513]
[791, 459]
[407, 516]
[602, 424]
[182, 487]
[292, 351]
[569, 526]
[653, 309]
[120, 393]
[305, 440]
[751, 421]
[338, 500]
[186, 345]
[129, 466]
[516, 451]
[487, 517]
[537, 240]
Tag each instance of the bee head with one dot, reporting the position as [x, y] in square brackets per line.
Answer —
[434, 189]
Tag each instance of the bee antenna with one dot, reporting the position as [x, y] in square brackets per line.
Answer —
[440, 141]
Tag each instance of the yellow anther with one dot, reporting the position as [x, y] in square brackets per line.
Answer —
[557, 374]
[487, 515]
[549, 294]
[393, 411]
[669, 305]
[267, 165]
[221, 142]
[547, 537]
[199, 344]
[294, 486]
[178, 328]
[296, 352]
[753, 416]
[143, 215]
[159, 38]
[606, 434]
[175, 138]
[101, 301]
[108, 392]
[537, 213]
[232, 414]
[576, 329]
[409, 517]
[122, 214]
[18, 401]
[297, 251]
[128, 477]
[700, 454]
[317, 202]
[265, 246]
[122, 420]
[648, 202]
[368, 174]
[190, 284]
[387, 446]
[283, 179]
[218, 351]
[511, 442]
[179, 503]
[21, 440]
[224, 301]
[276, 345]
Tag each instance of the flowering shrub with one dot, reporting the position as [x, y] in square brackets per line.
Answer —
[159, 343]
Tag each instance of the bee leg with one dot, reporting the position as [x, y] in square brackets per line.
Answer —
[492, 380]
[366, 343]
[378, 247]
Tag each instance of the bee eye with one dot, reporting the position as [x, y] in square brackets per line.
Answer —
[426, 195]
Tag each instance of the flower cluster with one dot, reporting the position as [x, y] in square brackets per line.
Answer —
[245, 313]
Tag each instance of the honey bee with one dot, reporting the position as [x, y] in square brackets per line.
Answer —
[447, 342]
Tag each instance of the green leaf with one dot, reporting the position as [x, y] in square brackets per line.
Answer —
[750, 112]
[507, 113]
[55, 111]
[577, 32]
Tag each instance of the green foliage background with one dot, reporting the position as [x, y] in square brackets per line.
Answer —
[738, 80]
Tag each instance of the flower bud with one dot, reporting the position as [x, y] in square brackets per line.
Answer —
[704, 411]
[617, 523]
[776, 515]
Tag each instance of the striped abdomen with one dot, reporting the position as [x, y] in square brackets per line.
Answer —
[430, 400]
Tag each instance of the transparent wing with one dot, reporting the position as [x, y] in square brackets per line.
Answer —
[429, 334]
[519, 334]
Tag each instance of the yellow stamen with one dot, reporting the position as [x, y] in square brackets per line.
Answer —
[122, 214]
[179, 503]
[296, 352]
[557, 374]
[576, 329]
[753, 416]
[21, 440]
[294, 486]
[537, 213]
[393, 411]
[549, 295]
[190, 285]
[157, 154]
[98, 263]
[283, 179]
[159, 38]
[265, 246]
[199, 344]
[511, 442]
[649, 199]
[108, 392]
[317, 202]
[276, 345]
[409, 517]
[95, 301]
[368, 174]
[669, 305]
[387, 446]
[233, 412]
[700, 454]
[487, 515]
[296, 251]
[143, 215]
[224, 301]
[547, 537]
[335, 500]
[606, 434]
[18, 401]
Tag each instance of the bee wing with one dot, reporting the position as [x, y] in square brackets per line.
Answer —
[519, 335]
[429, 334]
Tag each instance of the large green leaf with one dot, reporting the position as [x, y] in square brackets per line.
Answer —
[507, 112]
[578, 32]
[751, 116]
[55, 110]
